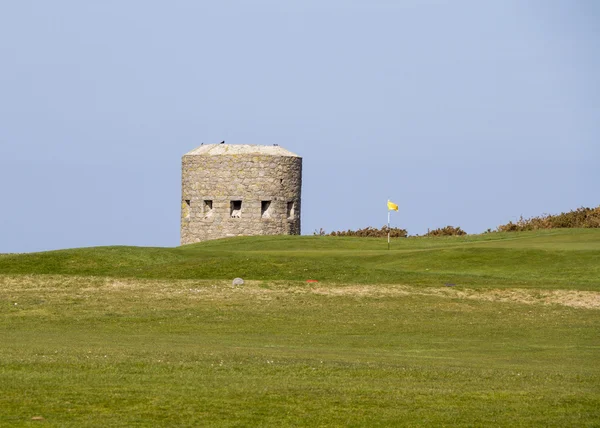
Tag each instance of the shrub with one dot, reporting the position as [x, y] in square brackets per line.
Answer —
[446, 231]
[371, 232]
[581, 217]
[320, 232]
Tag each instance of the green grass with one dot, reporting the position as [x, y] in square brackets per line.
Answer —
[564, 259]
[123, 336]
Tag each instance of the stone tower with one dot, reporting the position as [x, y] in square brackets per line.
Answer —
[234, 190]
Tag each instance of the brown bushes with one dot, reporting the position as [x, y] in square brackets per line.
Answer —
[446, 231]
[581, 217]
[369, 232]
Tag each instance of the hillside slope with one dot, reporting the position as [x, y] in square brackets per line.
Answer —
[567, 259]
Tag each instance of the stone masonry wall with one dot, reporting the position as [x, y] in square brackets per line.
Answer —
[269, 188]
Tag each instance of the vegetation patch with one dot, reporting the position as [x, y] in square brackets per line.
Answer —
[367, 232]
[213, 289]
[446, 231]
[580, 218]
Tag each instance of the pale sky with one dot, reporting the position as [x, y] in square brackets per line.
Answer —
[469, 113]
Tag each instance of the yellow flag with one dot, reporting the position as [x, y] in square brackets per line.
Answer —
[392, 206]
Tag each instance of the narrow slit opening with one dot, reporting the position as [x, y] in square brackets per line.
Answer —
[265, 211]
[236, 209]
[208, 208]
[291, 208]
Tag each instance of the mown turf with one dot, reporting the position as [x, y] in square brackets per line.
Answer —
[565, 259]
[96, 352]
[123, 336]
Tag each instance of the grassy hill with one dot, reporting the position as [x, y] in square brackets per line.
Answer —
[125, 336]
[566, 259]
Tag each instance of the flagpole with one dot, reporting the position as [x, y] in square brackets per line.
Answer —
[388, 226]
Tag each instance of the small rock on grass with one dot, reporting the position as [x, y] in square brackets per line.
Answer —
[238, 281]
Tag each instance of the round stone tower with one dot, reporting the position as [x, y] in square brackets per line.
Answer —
[236, 190]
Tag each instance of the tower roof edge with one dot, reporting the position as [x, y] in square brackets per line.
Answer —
[239, 149]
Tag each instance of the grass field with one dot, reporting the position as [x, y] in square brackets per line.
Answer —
[124, 336]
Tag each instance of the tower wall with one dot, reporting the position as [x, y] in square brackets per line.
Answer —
[268, 188]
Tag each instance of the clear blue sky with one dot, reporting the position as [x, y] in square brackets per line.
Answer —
[468, 113]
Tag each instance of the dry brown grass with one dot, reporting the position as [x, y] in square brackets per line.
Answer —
[575, 299]
[90, 287]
